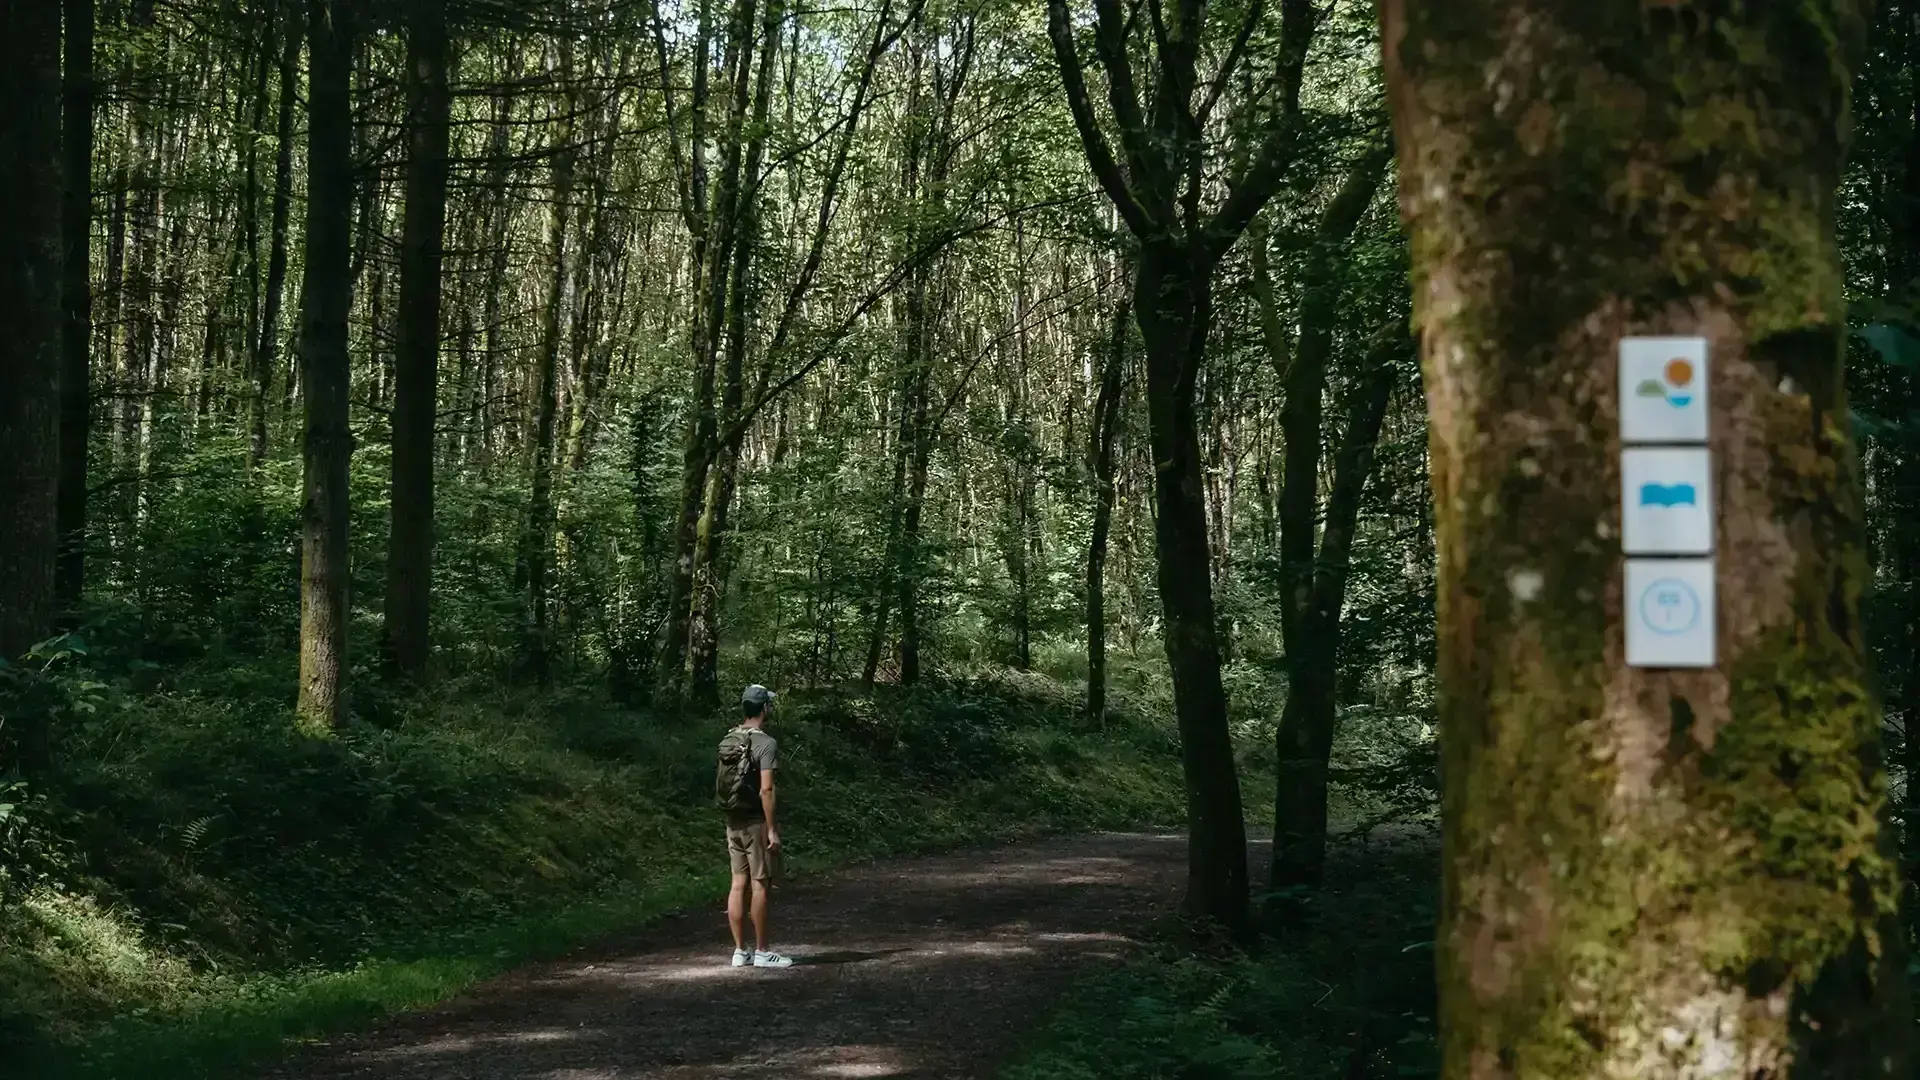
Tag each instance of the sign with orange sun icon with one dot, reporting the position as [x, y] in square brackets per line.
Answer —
[1663, 390]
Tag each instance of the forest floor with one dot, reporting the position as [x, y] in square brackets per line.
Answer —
[929, 967]
[1046, 959]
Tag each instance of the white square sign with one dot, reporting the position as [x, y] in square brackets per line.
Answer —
[1663, 390]
[1666, 501]
[1669, 613]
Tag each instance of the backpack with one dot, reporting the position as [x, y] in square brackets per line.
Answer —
[736, 781]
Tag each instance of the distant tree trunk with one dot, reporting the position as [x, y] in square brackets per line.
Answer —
[325, 301]
[1304, 739]
[713, 224]
[1106, 425]
[266, 348]
[536, 545]
[1158, 186]
[417, 350]
[711, 535]
[1661, 874]
[1173, 301]
[30, 310]
[76, 224]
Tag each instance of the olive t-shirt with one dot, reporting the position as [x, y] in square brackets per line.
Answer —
[763, 751]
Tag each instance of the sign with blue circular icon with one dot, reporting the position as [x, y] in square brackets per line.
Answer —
[1669, 613]
[1669, 606]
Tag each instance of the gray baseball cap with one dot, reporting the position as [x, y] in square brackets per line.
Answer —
[757, 695]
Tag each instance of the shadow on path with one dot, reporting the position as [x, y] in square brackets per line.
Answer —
[923, 968]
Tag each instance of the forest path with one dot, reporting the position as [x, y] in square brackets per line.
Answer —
[917, 968]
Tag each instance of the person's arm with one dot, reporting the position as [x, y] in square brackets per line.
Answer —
[767, 796]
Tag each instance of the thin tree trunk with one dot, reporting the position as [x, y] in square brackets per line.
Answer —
[1304, 741]
[1107, 407]
[709, 555]
[30, 309]
[76, 374]
[1173, 304]
[1656, 873]
[714, 247]
[325, 301]
[1307, 719]
[417, 350]
[536, 550]
[266, 348]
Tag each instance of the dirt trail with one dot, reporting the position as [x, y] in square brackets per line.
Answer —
[919, 968]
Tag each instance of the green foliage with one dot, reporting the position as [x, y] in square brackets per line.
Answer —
[229, 883]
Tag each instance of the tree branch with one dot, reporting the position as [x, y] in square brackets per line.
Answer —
[1099, 155]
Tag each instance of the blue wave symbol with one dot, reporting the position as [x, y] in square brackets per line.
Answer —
[1667, 495]
[1679, 401]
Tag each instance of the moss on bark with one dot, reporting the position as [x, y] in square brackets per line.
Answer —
[1650, 874]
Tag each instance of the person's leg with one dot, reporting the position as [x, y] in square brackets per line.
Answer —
[737, 911]
[760, 915]
[739, 860]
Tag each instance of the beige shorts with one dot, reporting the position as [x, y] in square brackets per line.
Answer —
[747, 852]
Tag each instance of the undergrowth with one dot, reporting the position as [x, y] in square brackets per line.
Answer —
[190, 884]
[1344, 992]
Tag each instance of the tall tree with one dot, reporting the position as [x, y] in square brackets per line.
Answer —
[76, 226]
[1648, 873]
[1159, 186]
[1313, 570]
[30, 309]
[536, 542]
[326, 297]
[417, 350]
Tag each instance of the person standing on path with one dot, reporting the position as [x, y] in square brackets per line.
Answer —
[743, 786]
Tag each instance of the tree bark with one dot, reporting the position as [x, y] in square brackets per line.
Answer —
[417, 349]
[30, 309]
[76, 374]
[325, 301]
[1661, 874]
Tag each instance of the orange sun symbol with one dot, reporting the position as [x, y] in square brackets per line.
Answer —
[1679, 372]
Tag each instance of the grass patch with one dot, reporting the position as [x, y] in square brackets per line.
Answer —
[194, 886]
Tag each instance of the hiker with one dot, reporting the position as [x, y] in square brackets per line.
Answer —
[743, 786]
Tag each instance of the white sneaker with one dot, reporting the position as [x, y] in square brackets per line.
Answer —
[772, 960]
[742, 957]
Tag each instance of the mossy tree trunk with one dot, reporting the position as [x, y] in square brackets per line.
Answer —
[1650, 874]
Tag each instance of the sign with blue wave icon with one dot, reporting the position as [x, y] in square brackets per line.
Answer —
[1666, 504]
[1667, 495]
